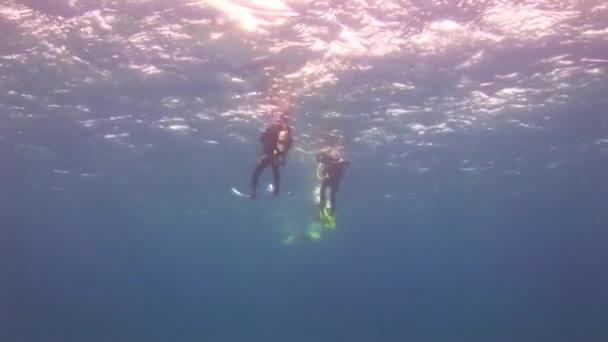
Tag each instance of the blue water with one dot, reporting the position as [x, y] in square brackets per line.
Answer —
[474, 208]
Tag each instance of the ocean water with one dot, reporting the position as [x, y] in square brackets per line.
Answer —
[474, 208]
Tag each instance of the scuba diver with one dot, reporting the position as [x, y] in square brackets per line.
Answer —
[330, 171]
[276, 141]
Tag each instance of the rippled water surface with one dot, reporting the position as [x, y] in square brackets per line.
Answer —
[474, 209]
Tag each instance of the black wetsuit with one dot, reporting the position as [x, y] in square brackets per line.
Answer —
[271, 156]
[333, 171]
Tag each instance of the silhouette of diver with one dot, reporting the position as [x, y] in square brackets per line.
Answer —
[331, 170]
[276, 141]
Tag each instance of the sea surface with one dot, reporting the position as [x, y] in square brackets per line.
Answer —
[474, 208]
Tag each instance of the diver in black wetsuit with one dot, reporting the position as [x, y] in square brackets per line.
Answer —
[276, 141]
[331, 171]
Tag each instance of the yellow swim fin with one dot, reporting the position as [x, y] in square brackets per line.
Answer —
[328, 218]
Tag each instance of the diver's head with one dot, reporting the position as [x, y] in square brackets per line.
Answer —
[281, 118]
[329, 155]
[334, 154]
[322, 157]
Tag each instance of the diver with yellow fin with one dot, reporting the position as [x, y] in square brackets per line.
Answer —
[330, 172]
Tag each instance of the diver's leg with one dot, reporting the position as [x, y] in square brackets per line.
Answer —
[323, 193]
[255, 177]
[276, 177]
[333, 191]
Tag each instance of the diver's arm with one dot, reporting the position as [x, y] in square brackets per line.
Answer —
[288, 145]
[289, 141]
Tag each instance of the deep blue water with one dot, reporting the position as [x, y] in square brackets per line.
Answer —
[474, 209]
